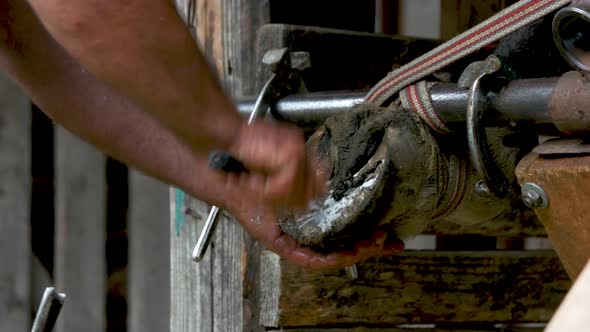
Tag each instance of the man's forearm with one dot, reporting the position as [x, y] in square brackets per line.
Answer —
[143, 50]
[94, 111]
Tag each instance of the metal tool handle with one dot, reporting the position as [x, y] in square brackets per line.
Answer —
[48, 311]
[223, 161]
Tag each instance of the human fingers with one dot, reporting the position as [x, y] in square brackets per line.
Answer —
[308, 258]
[277, 153]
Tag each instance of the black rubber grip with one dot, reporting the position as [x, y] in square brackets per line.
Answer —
[223, 161]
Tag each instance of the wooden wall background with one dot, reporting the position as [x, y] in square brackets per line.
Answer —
[99, 232]
[73, 219]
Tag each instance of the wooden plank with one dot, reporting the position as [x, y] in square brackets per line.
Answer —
[526, 224]
[191, 294]
[228, 276]
[567, 184]
[270, 289]
[149, 264]
[419, 288]
[191, 291]
[234, 24]
[235, 253]
[205, 27]
[572, 314]
[15, 192]
[241, 21]
[80, 269]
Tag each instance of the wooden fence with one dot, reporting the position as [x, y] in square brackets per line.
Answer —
[83, 224]
[101, 235]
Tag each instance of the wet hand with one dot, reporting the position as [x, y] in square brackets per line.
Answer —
[281, 177]
[262, 223]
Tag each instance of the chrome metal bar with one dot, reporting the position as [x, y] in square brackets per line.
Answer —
[522, 100]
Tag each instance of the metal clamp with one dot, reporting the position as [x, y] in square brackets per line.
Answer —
[480, 154]
[285, 79]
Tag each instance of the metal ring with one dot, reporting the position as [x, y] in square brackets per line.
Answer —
[566, 44]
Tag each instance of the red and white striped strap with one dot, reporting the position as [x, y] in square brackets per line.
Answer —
[491, 30]
[417, 98]
[458, 180]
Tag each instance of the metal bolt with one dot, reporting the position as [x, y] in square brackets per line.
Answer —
[482, 189]
[534, 196]
[276, 58]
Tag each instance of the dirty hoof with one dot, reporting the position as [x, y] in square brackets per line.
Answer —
[335, 220]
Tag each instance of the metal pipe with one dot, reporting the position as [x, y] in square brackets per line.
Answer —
[311, 109]
[522, 100]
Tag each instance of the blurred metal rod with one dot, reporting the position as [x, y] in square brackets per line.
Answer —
[521, 100]
[309, 110]
[48, 310]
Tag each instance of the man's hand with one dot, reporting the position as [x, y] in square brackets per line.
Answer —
[279, 172]
[283, 177]
[261, 223]
[165, 130]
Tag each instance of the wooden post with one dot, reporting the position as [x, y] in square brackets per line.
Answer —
[15, 194]
[210, 296]
[567, 184]
[80, 265]
[424, 287]
[191, 299]
[149, 261]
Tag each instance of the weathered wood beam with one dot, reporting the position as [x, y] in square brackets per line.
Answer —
[210, 296]
[566, 181]
[15, 196]
[416, 288]
[527, 226]
[191, 294]
[149, 261]
[80, 263]
[191, 291]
